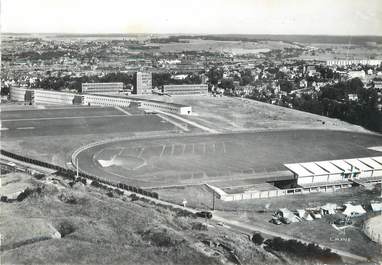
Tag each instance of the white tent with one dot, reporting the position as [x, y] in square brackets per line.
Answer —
[353, 210]
[376, 206]
[303, 214]
[287, 214]
[329, 208]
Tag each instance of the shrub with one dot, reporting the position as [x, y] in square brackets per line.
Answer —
[257, 238]
[65, 228]
[307, 251]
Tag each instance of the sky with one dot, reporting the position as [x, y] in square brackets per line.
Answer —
[326, 17]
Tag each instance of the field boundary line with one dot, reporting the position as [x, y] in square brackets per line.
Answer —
[122, 110]
[204, 128]
[184, 128]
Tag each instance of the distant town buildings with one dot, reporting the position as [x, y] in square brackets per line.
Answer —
[353, 62]
[196, 89]
[142, 83]
[102, 88]
[357, 74]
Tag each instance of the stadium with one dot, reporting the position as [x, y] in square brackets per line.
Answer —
[163, 150]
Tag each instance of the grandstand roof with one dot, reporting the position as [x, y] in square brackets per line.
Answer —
[299, 170]
[378, 159]
[359, 165]
[342, 165]
[371, 163]
[312, 167]
[332, 169]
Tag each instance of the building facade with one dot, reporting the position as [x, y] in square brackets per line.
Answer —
[47, 97]
[142, 83]
[196, 89]
[102, 88]
[335, 171]
[353, 62]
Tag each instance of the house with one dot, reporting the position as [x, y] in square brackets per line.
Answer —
[353, 210]
[352, 97]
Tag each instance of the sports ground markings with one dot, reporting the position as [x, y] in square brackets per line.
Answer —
[182, 127]
[376, 148]
[122, 110]
[204, 128]
[163, 148]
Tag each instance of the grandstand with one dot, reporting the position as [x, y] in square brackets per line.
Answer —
[368, 169]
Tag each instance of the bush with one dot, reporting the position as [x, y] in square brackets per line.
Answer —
[65, 228]
[307, 251]
[257, 238]
[39, 176]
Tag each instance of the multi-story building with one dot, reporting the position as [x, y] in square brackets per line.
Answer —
[48, 97]
[377, 85]
[196, 89]
[102, 88]
[351, 62]
[142, 83]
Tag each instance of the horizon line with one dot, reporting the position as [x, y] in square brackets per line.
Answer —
[196, 34]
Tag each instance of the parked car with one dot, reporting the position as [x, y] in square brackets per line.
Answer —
[275, 221]
[285, 220]
[342, 222]
[204, 214]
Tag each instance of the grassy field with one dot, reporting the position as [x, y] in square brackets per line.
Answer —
[207, 158]
[259, 212]
[237, 47]
[344, 51]
[236, 114]
[76, 121]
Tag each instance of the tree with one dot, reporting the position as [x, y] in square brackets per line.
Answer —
[257, 238]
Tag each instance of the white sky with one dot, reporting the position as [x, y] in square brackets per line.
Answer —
[331, 17]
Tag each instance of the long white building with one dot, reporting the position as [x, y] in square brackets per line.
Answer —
[102, 88]
[335, 171]
[353, 62]
[48, 97]
[193, 89]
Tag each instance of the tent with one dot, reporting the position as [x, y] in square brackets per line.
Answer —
[287, 214]
[303, 214]
[353, 210]
[329, 208]
[376, 206]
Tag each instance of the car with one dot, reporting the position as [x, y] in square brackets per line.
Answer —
[204, 214]
[285, 220]
[275, 221]
[342, 222]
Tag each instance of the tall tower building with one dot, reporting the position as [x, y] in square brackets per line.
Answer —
[142, 83]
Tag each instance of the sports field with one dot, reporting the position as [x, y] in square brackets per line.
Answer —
[75, 121]
[209, 158]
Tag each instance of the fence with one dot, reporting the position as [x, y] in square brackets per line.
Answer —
[71, 174]
[274, 193]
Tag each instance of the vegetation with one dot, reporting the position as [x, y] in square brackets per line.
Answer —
[309, 252]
